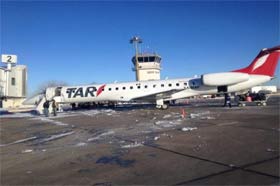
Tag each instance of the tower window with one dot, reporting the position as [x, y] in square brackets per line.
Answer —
[13, 81]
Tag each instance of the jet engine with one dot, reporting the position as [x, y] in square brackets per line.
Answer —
[224, 78]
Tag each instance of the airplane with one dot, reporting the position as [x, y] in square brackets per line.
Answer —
[161, 92]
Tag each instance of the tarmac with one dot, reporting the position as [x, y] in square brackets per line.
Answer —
[208, 145]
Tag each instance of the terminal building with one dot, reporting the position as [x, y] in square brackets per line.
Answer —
[13, 85]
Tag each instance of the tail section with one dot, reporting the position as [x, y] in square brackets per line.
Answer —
[264, 64]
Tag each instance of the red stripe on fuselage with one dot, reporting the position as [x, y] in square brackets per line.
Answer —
[100, 90]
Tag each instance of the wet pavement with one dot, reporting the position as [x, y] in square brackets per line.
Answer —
[212, 145]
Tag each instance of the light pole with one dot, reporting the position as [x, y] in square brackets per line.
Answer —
[135, 40]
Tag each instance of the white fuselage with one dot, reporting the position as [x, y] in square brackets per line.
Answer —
[164, 90]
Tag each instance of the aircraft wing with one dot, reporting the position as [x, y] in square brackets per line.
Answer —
[157, 96]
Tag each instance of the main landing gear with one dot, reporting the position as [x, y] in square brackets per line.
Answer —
[162, 104]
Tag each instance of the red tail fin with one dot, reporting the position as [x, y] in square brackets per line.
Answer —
[265, 63]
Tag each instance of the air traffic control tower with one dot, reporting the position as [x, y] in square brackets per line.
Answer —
[146, 65]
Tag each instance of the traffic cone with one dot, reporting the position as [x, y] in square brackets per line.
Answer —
[183, 113]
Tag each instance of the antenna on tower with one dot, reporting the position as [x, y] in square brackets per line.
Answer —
[135, 41]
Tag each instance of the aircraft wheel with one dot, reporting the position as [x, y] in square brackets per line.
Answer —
[164, 107]
[158, 106]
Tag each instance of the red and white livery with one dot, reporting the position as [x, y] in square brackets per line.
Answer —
[261, 70]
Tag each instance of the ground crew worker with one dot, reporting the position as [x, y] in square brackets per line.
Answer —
[46, 108]
[54, 107]
[228, 100]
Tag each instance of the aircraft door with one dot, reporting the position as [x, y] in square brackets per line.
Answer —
[222, 89]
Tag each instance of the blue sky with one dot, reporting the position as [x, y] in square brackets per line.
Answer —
[80, 42]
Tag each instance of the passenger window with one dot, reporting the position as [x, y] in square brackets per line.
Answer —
[117, 88]
[109, 89]
[123, 88]
[146, 86]
[131, 87]
[170, 84]
[154, 86]
[162, 85]
[138, 87]
[177, 84]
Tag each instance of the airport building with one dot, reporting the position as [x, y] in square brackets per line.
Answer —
[13, 85]
[148, 67]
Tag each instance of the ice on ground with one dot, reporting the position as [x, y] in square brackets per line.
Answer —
[156, 138]
[17, 115]
[167, 135]
[81, 144]
[207, 118]
[108, 112]
[231, 165]
[101, 135]
[63, 115]
[166, 116]
[45, 119]
[167, 124]
[27, 150]
[185, 129]
[19, 141]
[270, 150]
[199, 115]
[133, 145]
[54, 137]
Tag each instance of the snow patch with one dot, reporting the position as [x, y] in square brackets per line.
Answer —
[19, 141]
[81, 144]
[133, 145]
[48, 120]
[156, 138]
[186, 129]
[108, 112]
[166, 116]
[270, 150]
[101, 135]
[17, 115]
[57, 136]
[27, 151]
[167, 124]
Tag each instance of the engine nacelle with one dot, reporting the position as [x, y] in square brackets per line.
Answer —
[224, 78]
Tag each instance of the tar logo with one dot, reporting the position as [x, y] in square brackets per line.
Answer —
[81, 92]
